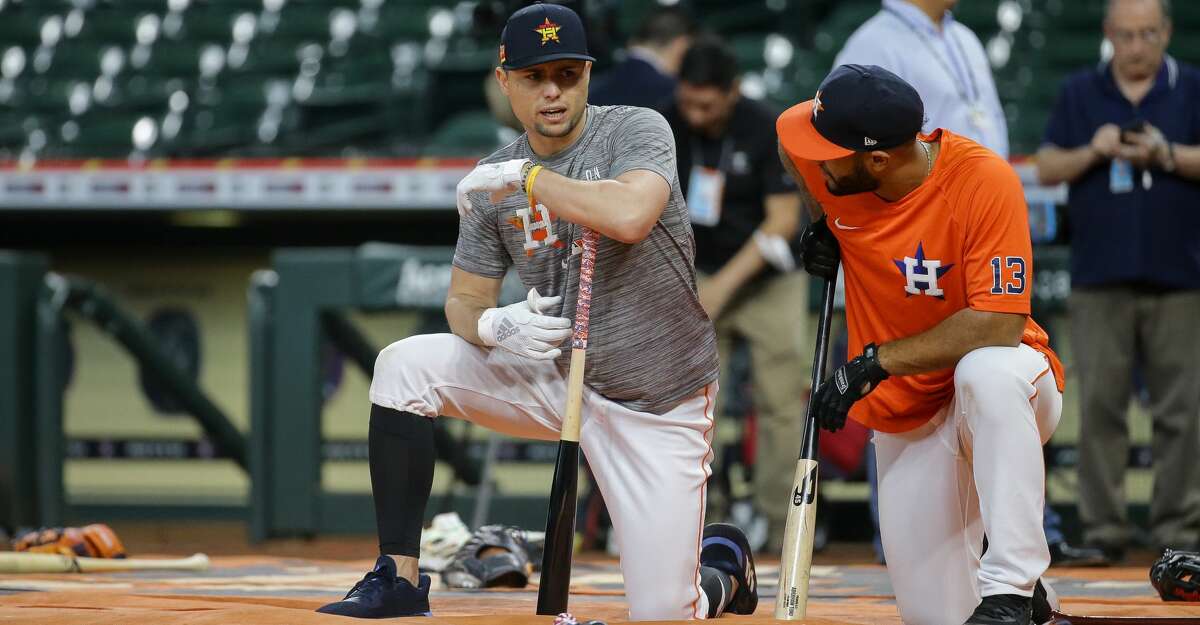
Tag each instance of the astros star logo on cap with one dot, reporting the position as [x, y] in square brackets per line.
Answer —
[817, 106]
[549, 31]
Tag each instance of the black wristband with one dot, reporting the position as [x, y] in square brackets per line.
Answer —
[875, 370]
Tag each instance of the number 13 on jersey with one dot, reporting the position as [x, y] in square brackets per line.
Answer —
[1008, 275]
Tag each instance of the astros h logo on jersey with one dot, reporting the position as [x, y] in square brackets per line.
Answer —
[919, 270]
[549, 31]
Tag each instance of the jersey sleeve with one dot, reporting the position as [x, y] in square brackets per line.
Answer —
[643, 140]
[997, 252]
[480, 250]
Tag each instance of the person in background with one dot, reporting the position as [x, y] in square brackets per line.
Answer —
[920, 41]
[647, 75]
[1124, 135]
[745, 211]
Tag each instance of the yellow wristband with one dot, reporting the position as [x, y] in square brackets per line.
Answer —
[529, 180]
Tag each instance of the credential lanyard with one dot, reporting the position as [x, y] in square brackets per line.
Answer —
[958, 58]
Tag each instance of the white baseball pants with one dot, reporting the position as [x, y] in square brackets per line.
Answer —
[975, 468]
[651, 469]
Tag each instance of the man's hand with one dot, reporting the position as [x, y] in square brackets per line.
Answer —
[1152, 147]
[819, 251]
[1139, 153]
[848, 384]
[500, 179]
[1107, 140]
[522, 329]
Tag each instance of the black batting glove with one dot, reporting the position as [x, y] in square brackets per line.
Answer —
[848, 384]
[819, 251]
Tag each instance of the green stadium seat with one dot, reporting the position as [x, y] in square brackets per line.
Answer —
[1185, 48]
[75, 59]
[110, 25]
[20, 27]
[1067, 50]
[405, 20]
[750, 50]
[269, 56]
[212, 24]
[302, 23]
[172, 59]
[837, 28]
[214, 130]
[978, 15]
[101, 135]
[474, 133]
[1077, 15]
[360, 76]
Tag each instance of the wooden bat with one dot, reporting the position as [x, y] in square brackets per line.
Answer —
[22, 562]
[560, 519]
[1058, 618]
[792, 600]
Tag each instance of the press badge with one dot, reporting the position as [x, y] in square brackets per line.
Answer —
[1120, 176]
[705, 189]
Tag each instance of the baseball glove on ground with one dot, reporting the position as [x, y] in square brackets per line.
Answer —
[91, 541]
[496, 556]
[1176, 575]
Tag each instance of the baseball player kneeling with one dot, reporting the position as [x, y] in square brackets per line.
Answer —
[958, 382]
[652, 363]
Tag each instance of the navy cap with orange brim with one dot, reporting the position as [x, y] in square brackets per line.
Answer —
[541, 33]
[858, 108]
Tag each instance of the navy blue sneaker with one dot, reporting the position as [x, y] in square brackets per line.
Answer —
[381, 594]
[726, 548]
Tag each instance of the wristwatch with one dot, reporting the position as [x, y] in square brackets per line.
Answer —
[525, 169]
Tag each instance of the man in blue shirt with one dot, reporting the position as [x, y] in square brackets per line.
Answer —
[1125, 135]
[646, 77]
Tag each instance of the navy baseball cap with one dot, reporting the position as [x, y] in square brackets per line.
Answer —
[540, 33]
[858, 108]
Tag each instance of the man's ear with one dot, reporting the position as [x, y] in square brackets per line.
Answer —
[502, 79]
[877, 161]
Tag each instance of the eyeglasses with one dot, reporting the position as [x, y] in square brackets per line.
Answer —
[1151, 36]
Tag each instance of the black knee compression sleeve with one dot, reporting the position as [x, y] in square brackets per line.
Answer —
[401, 459]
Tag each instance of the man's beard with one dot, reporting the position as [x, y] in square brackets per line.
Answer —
[571, 123]
[858, 181]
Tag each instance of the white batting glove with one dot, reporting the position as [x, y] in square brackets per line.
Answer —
[500, 179]
[522, 329]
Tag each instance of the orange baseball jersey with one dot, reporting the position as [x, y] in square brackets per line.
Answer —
[959, 240]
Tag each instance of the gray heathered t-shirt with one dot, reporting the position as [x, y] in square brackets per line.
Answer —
[650, 344]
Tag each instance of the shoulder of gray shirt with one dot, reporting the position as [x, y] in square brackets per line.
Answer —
[627, 119]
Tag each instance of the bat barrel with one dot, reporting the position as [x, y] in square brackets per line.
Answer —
[555, 584]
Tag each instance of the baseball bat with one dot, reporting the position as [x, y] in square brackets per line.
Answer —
[555, 582]
[22, 562]
[796, 561]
